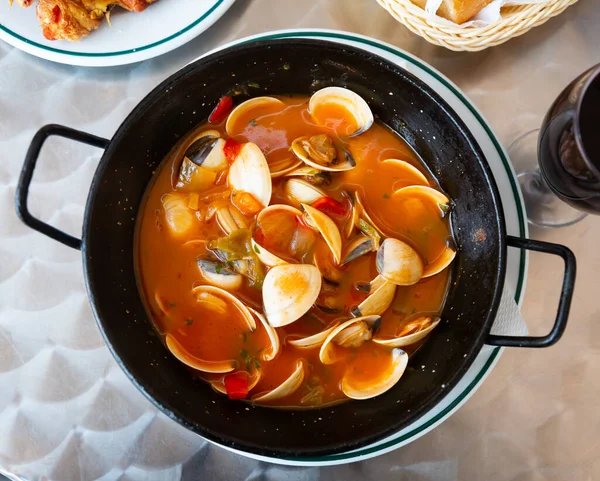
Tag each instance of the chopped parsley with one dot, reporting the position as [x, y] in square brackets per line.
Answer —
[252, 122]
[386, 196]
[172, 304]
[189, 322]
[256, 249]
[219, 267]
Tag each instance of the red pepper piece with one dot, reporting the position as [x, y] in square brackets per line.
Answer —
[221, 110]
[329, 206]
[231, 149]
[56, 14]
[236, 385]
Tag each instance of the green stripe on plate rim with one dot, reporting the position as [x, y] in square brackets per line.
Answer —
[114, 54]
[496, 351]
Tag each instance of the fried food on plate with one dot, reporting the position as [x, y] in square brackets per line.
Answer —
[74, 19]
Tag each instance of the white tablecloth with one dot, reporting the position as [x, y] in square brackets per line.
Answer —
[535, 418]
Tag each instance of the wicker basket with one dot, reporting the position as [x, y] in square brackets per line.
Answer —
[515, 21]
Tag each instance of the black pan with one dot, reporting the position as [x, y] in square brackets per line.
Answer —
[398, 99]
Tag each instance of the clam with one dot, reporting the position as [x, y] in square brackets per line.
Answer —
[289, 291]
[323, 260]
[179, 218]
[283, 167]
[212, 295]
[302, 192]
[249, 109]
[311, 175]
[268, 355]
[319, 152]
[351, 334]
[408, 169]
[201, 162]
[426, 193]
[219, 275]
[359, 246]
[230, 219]
[207, 151]
[287, 387]
[360, 115]
[442, 261]
[330, 232]
[411, 333]
[219, 384]
[378, 301]
[250, 173]
[276, 220]
[195, 362]
[316, 340]
[399, 263]
[356, 388]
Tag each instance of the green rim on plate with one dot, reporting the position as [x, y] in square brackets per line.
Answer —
[118, 53]
[342, 36]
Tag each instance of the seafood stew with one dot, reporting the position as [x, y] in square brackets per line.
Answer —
[294, 252]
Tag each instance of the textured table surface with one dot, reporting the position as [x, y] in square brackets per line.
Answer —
[68, 413]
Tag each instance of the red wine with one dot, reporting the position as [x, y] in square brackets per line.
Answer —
[569, 144]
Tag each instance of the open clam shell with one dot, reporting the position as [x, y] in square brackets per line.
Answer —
[359, 246]
[319, 152]
[330, 232]
[230, 219]
[248, 110]
[408, 170]
[316, 340]
[279, 215]
[228, 298]
[378, 301]
[399, 263]
[283, 167]
[287, 387]
[426, 193]
[250, 173]
[201, 162]
[351, 333]
[302, 192]
[268, 355]
[356, 388]
[360, 117]
[195, 362]
[442, 261]
[323, 260]
[219, 275]
[411, 333]
[289, 291]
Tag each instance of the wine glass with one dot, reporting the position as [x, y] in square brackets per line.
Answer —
[559, 165]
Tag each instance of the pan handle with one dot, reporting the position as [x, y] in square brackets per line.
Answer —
[31, 159]
[566, 295]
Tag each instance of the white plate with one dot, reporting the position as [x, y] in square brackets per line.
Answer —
[516, 224]
[163, 26]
